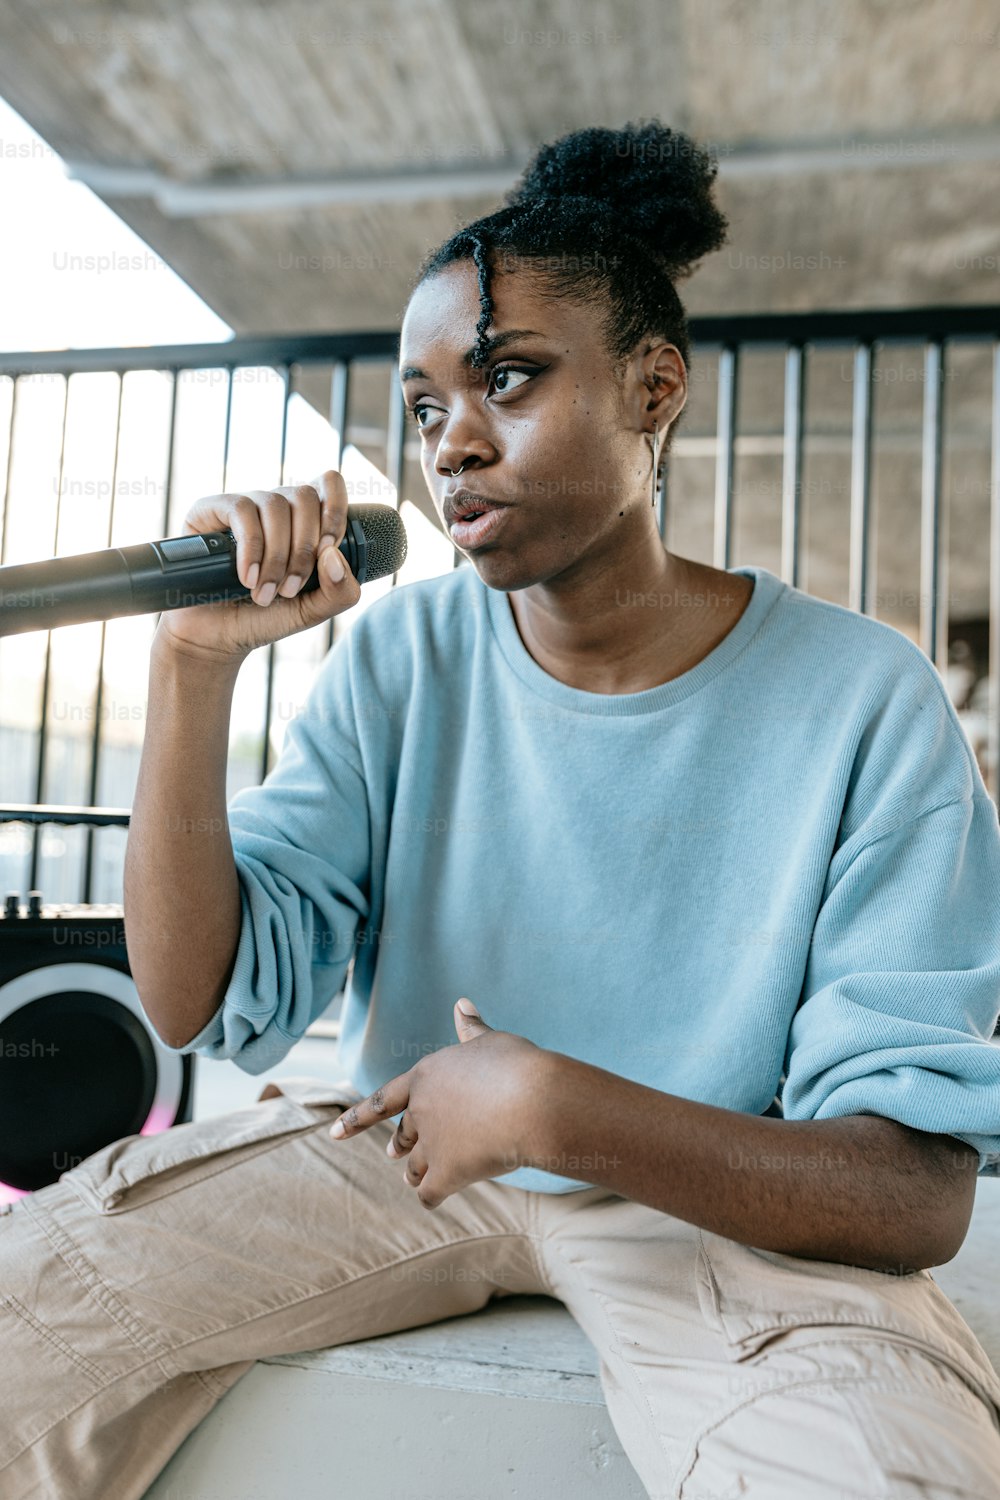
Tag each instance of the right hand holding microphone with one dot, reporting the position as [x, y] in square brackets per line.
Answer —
[281, 535]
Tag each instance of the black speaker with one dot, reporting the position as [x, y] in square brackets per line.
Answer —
[80, 1065]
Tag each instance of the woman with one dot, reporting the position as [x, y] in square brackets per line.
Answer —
[685, 834]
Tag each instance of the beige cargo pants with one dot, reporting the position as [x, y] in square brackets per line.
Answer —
[136, 1290]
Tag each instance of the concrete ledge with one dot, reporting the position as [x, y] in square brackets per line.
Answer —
[526, 1347]
[501, 1403]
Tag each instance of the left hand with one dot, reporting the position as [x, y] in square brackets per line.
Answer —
[470, 1111]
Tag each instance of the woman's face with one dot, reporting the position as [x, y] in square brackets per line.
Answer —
[544, 426]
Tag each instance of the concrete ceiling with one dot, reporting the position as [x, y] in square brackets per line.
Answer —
[863, 136]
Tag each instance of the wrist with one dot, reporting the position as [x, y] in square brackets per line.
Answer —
[540, 1144]
[167, 651]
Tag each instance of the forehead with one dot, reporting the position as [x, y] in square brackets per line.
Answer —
[439, 326]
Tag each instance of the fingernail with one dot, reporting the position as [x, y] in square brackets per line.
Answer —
[291, 586]
[253, 573]
[326, 540]
[337, 1128]
[390, 1150]
[334, 564]
[266, 594]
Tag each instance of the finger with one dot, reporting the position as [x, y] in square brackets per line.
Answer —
[305, 536]
[332, 491]
[404, 1138]
[468, 1026]
[277, 523]
[238, 514]
[416, 1169]
[429, 1193]
[247, 527]
[382, 1105]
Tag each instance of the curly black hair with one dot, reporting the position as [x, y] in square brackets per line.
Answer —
[607, 217]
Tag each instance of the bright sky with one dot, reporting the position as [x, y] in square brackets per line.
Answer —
[75, 276]
[52, 226]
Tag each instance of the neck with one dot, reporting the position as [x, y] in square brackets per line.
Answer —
[633, 618]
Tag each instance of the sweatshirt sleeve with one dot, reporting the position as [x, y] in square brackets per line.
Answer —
[902, 986]
[302, 849]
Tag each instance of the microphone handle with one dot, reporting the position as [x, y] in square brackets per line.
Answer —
[139, 580]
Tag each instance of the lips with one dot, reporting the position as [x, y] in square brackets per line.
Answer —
[463, 503]
[474, 534]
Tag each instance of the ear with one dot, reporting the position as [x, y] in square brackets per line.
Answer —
[468, 1022]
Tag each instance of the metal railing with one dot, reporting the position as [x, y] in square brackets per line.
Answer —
[797, 338]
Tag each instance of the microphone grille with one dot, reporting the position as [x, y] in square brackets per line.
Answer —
[385, 536]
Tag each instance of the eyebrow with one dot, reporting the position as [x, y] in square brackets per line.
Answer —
[498, 341]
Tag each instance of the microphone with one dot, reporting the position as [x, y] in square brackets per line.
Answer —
[179, 571]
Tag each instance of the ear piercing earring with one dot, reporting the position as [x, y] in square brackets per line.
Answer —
[655, 456]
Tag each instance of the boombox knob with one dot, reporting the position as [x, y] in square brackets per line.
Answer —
[12, 904]
[34, 903]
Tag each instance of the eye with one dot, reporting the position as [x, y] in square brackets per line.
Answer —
[411, 413]
[501, 370]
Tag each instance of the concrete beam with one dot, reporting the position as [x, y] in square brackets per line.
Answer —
[178, 199]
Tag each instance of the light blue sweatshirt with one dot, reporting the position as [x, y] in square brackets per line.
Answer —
[775, 878]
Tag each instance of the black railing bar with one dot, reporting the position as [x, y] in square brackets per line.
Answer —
[849, 325]
[169, 358]
[270, 349]
[228, 426]
[9, 469]
[265, 750]
[95, 745]
[845, 341]
[725, 455]
[43, 722]
[32, 812]
[168, 478]
[791, 467]
[861, 465]
[340, 385]
[286, 396]
[933, 619]
[846, 326]
[993, 664]
[395, 432]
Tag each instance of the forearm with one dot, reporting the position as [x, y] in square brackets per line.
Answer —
[862, 1190]
[181, 891]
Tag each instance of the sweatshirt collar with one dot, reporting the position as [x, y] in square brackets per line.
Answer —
[768, 588]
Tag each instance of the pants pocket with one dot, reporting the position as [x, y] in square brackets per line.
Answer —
[749, 1296]
[140, 1169]
[927, 1427]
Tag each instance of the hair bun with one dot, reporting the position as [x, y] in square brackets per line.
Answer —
[657, 182]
